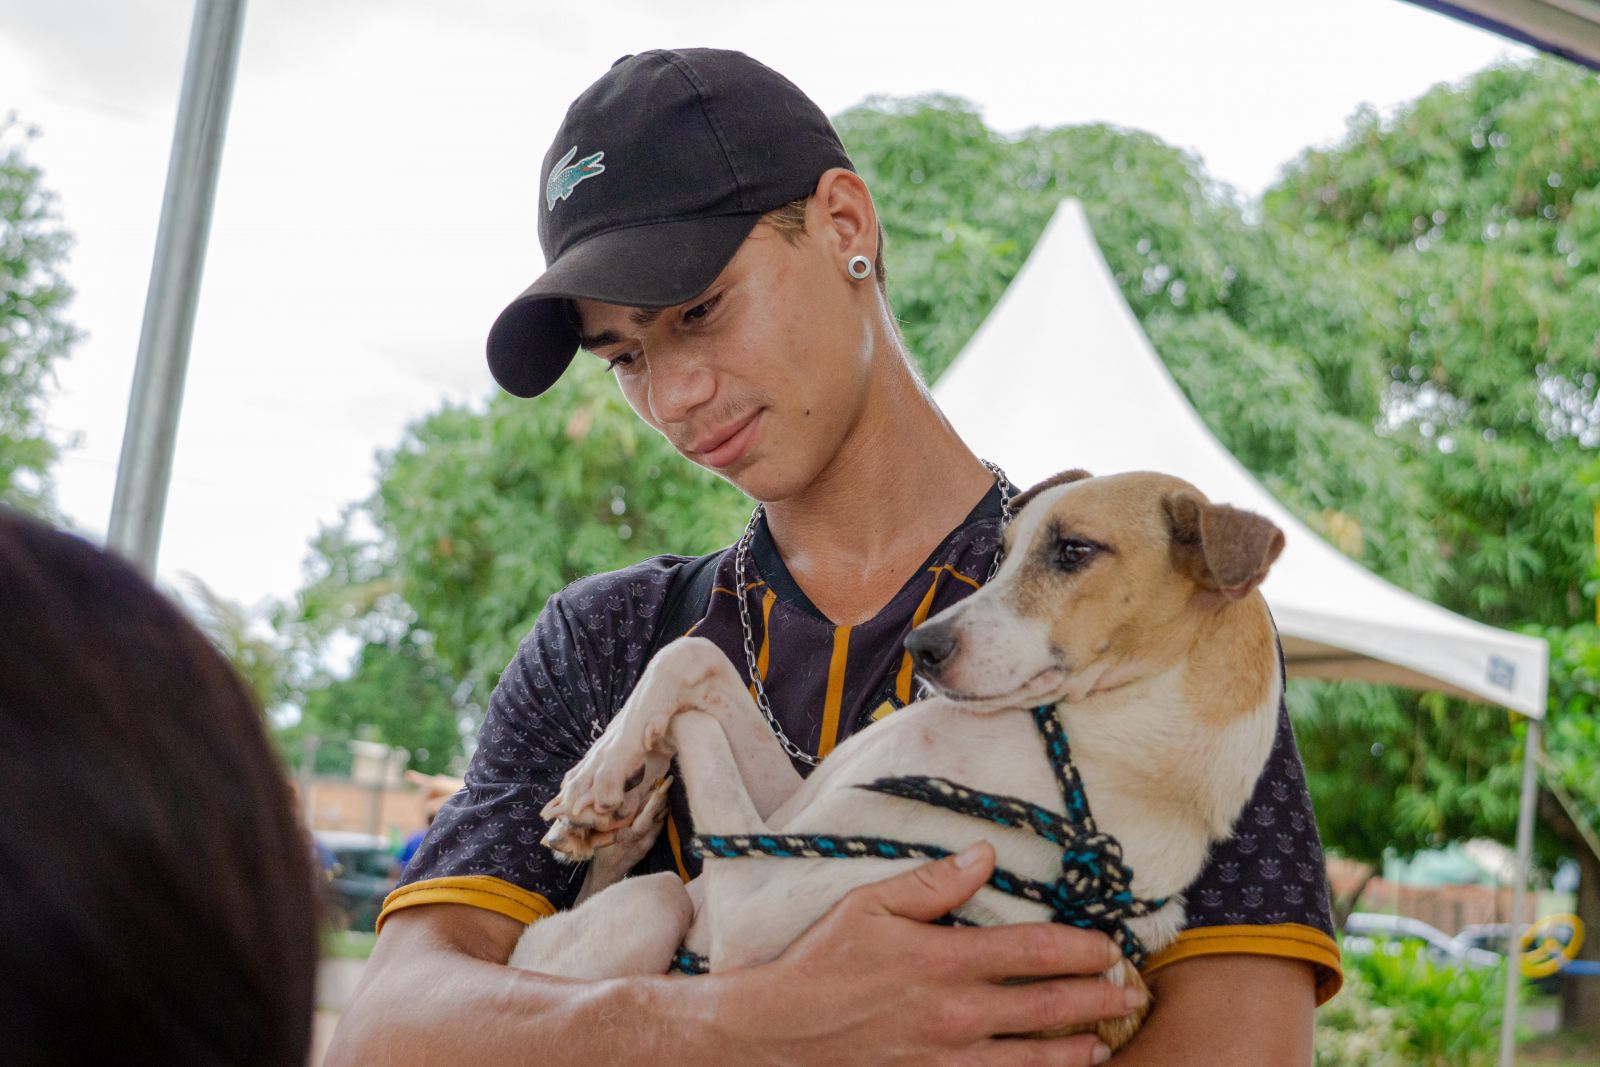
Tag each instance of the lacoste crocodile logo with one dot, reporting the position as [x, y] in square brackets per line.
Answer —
[564, 179]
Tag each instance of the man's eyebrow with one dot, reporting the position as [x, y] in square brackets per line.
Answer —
[640, 317]
[599, 340]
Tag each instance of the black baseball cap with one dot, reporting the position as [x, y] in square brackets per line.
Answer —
[660, 171]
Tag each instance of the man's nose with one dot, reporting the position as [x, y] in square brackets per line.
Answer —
[931, 648]
[679, 383]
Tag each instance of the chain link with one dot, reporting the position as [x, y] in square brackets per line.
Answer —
[741, 551]
[1006, 493]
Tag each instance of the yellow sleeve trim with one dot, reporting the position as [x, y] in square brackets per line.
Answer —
[477, 890]
[1284, 940]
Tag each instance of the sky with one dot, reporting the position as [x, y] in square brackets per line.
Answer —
[378, 192]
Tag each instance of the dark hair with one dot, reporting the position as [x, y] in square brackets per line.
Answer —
[790, 221]
[157, 902]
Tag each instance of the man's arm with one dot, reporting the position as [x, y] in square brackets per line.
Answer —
[1247, 1011]
[871, 982]
[437, 990]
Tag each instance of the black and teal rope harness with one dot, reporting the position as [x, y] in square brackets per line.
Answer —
[1094, 892]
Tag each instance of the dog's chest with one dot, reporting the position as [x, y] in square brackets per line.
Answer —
[1000, 753]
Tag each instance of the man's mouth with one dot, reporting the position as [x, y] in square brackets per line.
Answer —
[725, 445]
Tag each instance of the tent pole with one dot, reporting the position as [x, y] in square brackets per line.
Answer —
[145, 468]
[1508, 1013]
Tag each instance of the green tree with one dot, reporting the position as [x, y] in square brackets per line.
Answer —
[1475, 212]
[492, 512]
[396, 694]
[479, 516]
[33, 334]
[243, 636]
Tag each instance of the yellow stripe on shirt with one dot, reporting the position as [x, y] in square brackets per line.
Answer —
[835, 697]
[677, 846]
[1284, 940]
[476, 890]
[767, 601]
[902, 683]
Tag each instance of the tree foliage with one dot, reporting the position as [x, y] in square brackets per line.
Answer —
[33, 333]
[1474, 213]
[479, 516]
[491, 512]
[396, 694]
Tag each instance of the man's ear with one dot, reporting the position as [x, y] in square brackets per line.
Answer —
[847, 215]
[1074, 475]
[1222, 548]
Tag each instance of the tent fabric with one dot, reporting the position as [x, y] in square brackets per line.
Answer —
[1566, 28]
[1061, 375]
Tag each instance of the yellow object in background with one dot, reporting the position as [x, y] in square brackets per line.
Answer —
[1549, 944]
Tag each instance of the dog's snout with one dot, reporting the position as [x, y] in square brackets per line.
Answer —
[930, 648]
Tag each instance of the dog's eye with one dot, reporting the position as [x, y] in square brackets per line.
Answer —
[1072, 553]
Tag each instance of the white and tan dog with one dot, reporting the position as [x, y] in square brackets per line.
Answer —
[1127, 601]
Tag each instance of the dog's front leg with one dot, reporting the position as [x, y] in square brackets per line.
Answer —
[605, 789]
[718, 799]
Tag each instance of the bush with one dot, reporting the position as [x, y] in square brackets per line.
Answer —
[1353, 1030]
[1397, 1007]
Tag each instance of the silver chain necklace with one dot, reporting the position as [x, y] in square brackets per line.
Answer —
[741, 552]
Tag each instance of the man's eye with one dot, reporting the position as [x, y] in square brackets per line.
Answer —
[1072, 553]
[624, 360]
[701, 310]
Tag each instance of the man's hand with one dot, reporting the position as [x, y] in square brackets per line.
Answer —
[873, 982]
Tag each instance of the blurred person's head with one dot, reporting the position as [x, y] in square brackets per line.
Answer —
[707, 236]
[156, 898]
[433, 790]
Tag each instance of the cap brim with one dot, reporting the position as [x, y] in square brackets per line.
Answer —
[666, 263]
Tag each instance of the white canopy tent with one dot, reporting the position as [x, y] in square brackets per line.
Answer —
[1062, 375]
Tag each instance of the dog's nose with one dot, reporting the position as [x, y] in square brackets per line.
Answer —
[930, 648]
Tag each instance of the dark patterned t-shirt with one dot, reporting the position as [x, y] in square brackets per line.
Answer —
[1263, 890]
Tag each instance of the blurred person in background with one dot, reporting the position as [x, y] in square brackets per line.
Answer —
[157, 902]
[433, 791]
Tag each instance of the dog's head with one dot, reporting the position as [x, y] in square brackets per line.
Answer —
[1105, 581]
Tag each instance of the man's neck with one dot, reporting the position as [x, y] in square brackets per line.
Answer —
[899, 484]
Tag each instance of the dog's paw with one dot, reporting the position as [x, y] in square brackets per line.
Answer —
[1118, 1032]
[572, 843]
[569, 843]
[575, 844]
[600, 791]
[647, 824]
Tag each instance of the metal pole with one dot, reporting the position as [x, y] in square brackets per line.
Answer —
[1508, 1013]
[147, 441]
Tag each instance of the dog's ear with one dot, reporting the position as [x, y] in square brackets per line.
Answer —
[1221, 548]
[1074, 475]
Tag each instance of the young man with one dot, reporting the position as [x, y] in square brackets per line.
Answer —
[708, 238]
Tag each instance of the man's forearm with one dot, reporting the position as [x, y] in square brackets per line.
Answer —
[425, 1001]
